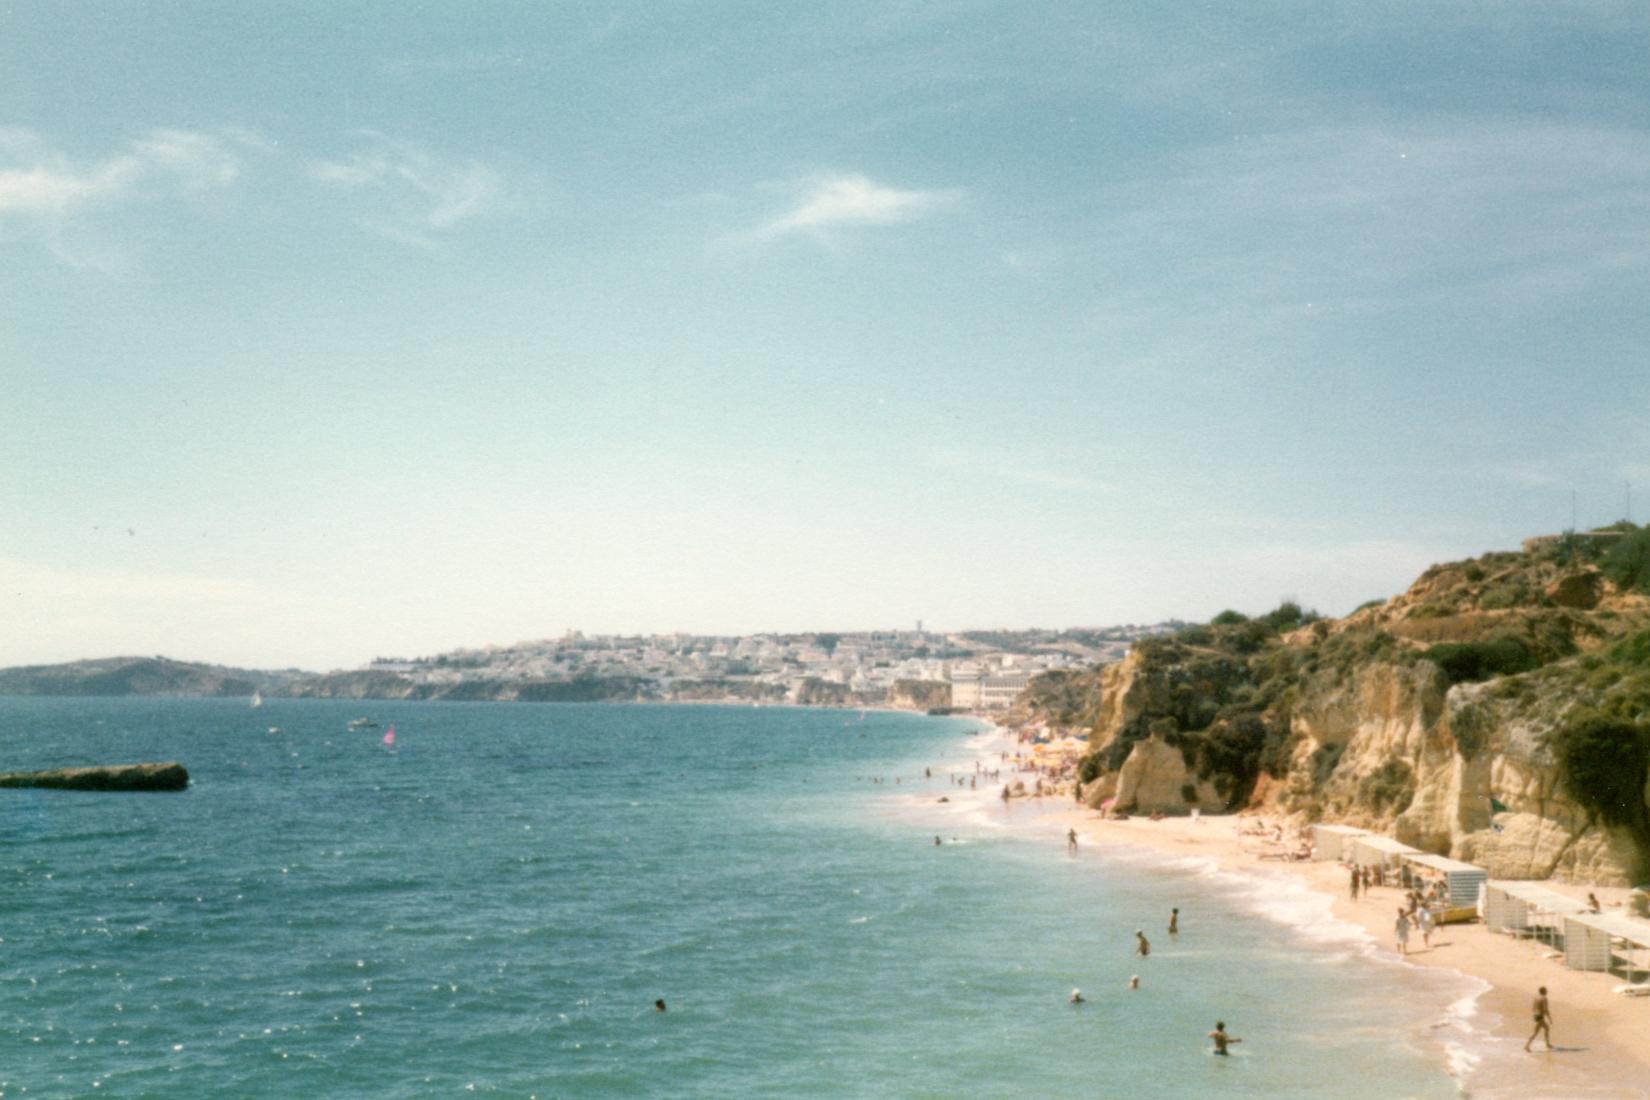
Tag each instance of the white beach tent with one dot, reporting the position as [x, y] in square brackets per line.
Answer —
[1527, 909]
[1591, 941]
[1379, 851]
[1334, 841]
[1463, 878]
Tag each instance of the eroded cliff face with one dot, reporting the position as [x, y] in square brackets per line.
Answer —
[1403, 770]
[1383, 719]
[1153, 776]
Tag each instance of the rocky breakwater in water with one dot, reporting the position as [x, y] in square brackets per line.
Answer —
[1494, 712]
[115, 777]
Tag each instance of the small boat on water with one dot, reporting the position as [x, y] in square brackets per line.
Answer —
[363, 724]
[257, 699]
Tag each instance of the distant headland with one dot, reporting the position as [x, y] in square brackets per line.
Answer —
[914, 669]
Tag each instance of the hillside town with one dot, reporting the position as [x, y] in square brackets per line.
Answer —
[970, 670]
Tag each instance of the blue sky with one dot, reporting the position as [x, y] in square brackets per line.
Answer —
[333, 330]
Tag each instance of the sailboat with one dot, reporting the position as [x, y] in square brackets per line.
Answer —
[257, 699]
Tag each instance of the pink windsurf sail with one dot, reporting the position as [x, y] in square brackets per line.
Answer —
[389, 736]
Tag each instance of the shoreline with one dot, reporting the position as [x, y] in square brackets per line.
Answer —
[1600, 1037]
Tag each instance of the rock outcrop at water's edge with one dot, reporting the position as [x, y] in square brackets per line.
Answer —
[113, 777]
[1447, 715]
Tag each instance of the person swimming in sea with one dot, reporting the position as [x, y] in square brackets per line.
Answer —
[1077, 997]
[1222, 1040]
[659, 1005]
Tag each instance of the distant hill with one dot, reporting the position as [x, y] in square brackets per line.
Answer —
[163, 676]
[141, 676]
[378, 684]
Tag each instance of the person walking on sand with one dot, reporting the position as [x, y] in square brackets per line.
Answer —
[1071, 841]
[1222, 1040]
[1400, 932]
[1142, 948]
[1543, 1013]
[1356, 878]
[1424, 921]
[1174, 922]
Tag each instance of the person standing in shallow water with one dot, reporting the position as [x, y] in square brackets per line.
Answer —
[1142, 947]
[1543, 1013]
[1071, 841]
[1222, 1040]
[1174, 922]
[1400, 932]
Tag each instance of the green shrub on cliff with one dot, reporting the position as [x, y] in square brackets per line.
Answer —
[1324, 761]
[1390, 786]
[1063, 697]
[1604, 762]
[1627, 562]
[1469, 662]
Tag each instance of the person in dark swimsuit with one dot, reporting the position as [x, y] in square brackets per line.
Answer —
[1543, 1013]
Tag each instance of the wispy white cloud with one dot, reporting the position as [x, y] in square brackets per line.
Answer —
[415, 195]
[997, 465]
[44, 192]
[838, 202]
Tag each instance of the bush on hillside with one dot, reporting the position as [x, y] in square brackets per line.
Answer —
[1288, 616]
[1627, 563]
[1229, 756]
[1390, 786]
[1196, 635]
[1068, 697]
[1469, 662]
[1325, 758]
[1604, 762]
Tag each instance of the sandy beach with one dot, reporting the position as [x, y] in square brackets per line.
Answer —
[1602, 1039]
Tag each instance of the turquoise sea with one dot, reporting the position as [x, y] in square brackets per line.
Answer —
[492, 906]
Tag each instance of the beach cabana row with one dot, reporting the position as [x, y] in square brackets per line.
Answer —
[1606, 941]
[1463, 879]
[1331, 842]
[1379, 851]
[1528, 909]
